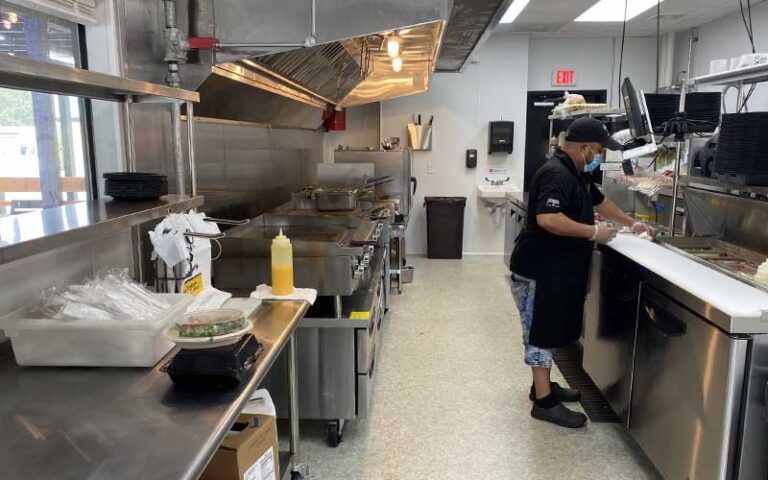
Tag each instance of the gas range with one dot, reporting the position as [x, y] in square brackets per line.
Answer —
[332, 251]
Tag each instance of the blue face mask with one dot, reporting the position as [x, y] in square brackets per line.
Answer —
[594, 164]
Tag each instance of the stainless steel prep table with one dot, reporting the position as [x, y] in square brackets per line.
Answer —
[127, 423]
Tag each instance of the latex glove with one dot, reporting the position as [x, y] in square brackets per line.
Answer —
[604, 233]
[639, 228]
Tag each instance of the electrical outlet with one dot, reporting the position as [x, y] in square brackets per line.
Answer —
[431, 168]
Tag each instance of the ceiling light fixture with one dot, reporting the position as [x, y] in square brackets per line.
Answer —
[613, 10]
[513, 11]
[397, 64]
[393, 45]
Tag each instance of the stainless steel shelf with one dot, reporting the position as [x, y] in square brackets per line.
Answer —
[746, 75]
[25, 74]
[31, 233]
[714, 185]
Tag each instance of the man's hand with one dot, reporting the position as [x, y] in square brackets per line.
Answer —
[604, 233]
[638, 228]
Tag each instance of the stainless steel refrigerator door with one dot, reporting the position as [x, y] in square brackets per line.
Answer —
[753, 461]
[327, 377]
[610, 325]
[687, 391]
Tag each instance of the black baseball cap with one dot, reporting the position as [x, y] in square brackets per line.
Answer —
[590, 130]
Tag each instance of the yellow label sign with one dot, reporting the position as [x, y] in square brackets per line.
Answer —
[360, 315]
[193, 286]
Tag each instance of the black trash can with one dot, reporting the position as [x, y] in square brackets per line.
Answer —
[445, 226]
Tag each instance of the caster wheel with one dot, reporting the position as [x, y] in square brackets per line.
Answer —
[334, 435]
[297, 476]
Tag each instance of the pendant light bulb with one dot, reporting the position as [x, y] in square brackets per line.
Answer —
[393, 46]
[397, 64]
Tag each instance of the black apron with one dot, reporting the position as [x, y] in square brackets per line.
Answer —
[561, 275]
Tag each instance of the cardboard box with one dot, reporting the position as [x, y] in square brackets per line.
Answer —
[249, 452]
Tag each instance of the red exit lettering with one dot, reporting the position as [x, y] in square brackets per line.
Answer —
[565, 77]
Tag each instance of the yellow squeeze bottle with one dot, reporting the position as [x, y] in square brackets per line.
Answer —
[282, 265]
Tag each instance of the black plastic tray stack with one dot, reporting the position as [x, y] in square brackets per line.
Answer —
[662, 107]
[135, 185]
[742, 150]
[704, 109]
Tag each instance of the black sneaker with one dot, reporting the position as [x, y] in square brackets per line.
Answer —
[565, 395]
[559, 415]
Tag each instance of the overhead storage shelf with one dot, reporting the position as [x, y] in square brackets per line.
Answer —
[25, 74]
[746, 75]
[587, 112]
[39, 231]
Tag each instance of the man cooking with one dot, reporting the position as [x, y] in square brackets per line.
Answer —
[550, 263]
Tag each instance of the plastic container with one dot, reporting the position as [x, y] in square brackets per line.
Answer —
[445, 226]
[407, 273]
[85, 343]
[205, 329]
[282, 265]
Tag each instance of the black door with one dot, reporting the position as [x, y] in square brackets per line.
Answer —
[540, 105]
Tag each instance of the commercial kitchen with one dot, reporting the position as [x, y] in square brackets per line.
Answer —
[301, 239]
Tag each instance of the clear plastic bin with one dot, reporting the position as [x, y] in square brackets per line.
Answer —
[82, 343]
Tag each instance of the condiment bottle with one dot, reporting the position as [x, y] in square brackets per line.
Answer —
[282, 265]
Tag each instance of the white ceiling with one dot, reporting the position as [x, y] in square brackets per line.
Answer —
[555, 17]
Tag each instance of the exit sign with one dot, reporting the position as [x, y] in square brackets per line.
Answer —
[564, 78]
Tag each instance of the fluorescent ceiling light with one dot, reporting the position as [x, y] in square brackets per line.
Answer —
[613, 10]
[513, 11]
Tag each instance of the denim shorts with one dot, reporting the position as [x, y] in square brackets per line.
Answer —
[524, 291]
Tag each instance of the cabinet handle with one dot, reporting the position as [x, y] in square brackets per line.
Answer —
[666, 324]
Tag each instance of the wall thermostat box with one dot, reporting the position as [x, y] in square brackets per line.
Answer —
[502, 136]
[472, 158]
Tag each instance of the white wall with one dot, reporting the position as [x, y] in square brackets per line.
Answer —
[726, 38]
[495, 88]
[596, 61]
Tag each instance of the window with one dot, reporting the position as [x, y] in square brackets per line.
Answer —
[43, 154]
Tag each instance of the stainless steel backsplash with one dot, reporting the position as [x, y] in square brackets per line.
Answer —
[741, 221]
[242, 169]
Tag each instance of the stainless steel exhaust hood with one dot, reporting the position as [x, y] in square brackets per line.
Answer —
[264, 79]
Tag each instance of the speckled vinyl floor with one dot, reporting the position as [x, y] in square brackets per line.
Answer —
[450, 395]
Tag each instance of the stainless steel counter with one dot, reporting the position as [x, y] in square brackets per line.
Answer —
[124, 423]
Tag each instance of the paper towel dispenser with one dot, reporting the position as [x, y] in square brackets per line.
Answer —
[502, 135]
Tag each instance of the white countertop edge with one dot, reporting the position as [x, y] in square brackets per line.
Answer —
[732, 297]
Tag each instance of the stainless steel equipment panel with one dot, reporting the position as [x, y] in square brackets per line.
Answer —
[610, 325]
[395, 163]
[687, 390]
[752, 461]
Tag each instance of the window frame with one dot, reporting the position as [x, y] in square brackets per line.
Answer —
[85, 130]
